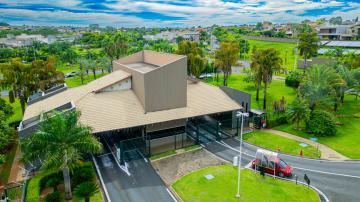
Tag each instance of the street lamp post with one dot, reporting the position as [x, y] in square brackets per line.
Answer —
[242, 115]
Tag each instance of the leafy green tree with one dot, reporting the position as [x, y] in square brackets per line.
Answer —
[83, 65]
[7, 134]
[86, 190]
[69, 56]
[336, 20]
[196, 61]
[264, 62]
[298, 111]
[318, 87]
[321, 123]
[61, 141]
[308, 46]
[244, 47]
[225, 57]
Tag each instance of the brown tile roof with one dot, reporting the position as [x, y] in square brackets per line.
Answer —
[115, 110]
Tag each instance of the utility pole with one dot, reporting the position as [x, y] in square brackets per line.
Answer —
[242, 115]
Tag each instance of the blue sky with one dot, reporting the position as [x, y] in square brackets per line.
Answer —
[162, 13]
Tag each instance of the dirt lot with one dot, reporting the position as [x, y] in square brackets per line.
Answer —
[171, 168]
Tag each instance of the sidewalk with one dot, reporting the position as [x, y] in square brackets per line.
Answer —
[326, 152]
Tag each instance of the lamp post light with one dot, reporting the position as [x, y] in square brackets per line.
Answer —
[242, 115]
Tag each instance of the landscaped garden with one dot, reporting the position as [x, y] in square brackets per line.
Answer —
[281, 144]
[50, 184]
[223, 187]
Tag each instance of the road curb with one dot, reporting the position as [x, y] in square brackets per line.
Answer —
[322, 196]
[296, 156]
[101, 180]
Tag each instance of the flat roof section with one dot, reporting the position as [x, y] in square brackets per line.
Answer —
[142, 67]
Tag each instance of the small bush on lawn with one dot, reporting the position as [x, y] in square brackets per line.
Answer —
[276, 122]
[321, 123]
[82, 174]
[54, 197]
[51, 177]
[293, 79]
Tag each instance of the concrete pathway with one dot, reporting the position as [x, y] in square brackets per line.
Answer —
[326, 152]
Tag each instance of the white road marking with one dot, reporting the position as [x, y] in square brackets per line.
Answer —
[101, 179]
[124, 168]
[310, 159]
[329, 173]
[317, 171]
[104, 154]
[172, 196]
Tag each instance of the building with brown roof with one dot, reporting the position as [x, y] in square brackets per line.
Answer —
[147, 96]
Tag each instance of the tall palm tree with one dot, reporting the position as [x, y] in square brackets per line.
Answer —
[226, 57]
[265, 61]
[298, 111]
[60, 142]
[308, 46]
[256, 73]
[86, 190]
[319, 86]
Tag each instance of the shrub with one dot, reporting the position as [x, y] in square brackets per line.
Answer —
[83, 174]
[276, 122]
[54, 197]
[321, 123]
[51, 177]
[293, 79]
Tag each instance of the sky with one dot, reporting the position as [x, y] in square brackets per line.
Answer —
[171, 13]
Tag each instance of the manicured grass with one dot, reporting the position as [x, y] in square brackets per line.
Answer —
[64, 68]
[5, 168]
[254, 187]
[275, 91]
[286, 51]
[163, 154]
[275, 142]
[347, 139]
[76, 81]
[17, 116]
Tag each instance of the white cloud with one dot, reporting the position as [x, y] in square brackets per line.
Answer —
[189, 12]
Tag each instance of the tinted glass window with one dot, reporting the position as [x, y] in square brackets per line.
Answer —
[282, 164]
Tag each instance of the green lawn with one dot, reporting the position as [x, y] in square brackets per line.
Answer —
[76, 81]
[347, 139]
[254, 187]
[163, 154]
[286, 50]
[275, 91]
[17, 116]
[275, 142]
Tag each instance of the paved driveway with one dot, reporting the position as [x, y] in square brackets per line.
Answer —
[142, 185]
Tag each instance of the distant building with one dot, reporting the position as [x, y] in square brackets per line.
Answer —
[172, 35]
[336, 32]
[214, 43]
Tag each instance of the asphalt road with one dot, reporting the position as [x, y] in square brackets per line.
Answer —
[339, 181]
[142, 185]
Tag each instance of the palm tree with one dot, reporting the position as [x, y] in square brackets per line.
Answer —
[319, 86]
[60, 142]
[264, 62]
[86, 190]
[225, 57]
[256, 73]
[82, 69]
[298, 111]
[308, 46]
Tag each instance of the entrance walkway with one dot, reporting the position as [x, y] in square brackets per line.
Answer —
[326, 152]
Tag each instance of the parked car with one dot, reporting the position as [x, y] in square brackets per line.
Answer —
[270, 163]
[70, 74]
